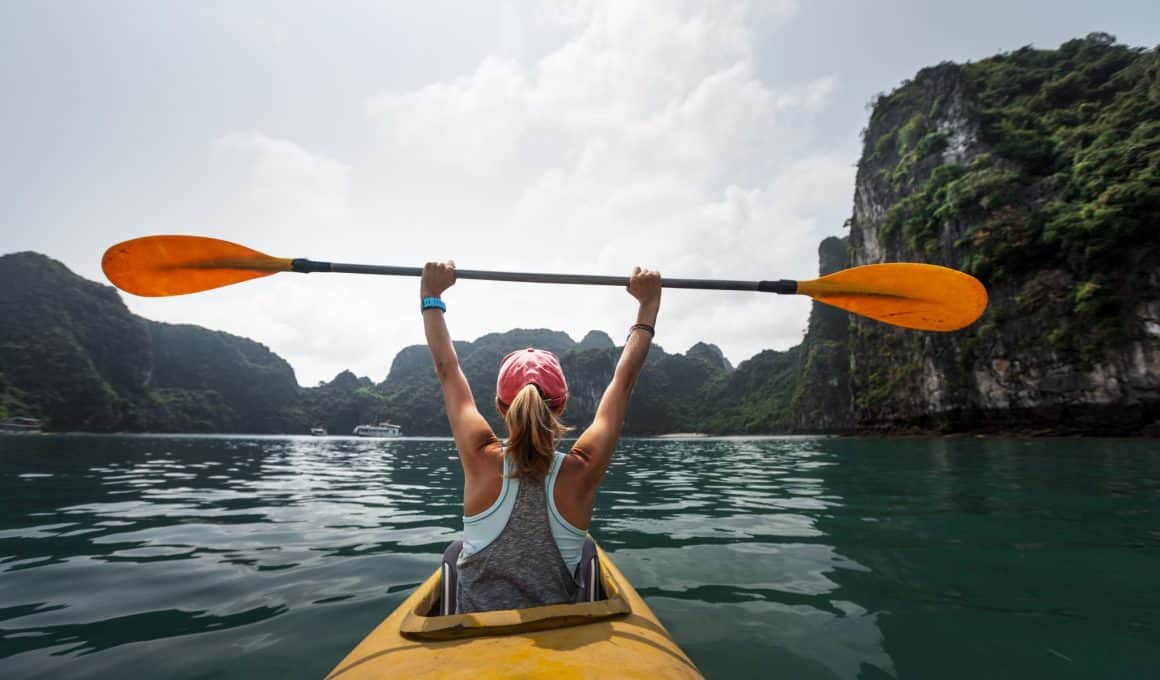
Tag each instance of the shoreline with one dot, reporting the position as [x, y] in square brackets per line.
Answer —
[902, 433]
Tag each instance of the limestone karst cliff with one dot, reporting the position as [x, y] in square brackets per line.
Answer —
[1039, 172]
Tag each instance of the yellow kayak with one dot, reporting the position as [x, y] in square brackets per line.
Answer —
[617, 637]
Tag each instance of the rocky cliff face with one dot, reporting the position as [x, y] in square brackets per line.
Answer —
[710, 354]
[255, 386]
[821, 400]
[73, 354]
[1037, 171]
[413, 397]
[596, 340]
[338, 406]
[669, 396]
[70, 351]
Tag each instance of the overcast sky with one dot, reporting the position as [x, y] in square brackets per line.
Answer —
[704, 140]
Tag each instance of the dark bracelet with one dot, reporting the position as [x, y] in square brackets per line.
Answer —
[643, 327]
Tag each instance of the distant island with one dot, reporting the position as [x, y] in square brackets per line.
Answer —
[72, 354]
[1034, 170]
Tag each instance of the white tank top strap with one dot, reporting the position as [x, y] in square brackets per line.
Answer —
[568, 538]
[482, 528]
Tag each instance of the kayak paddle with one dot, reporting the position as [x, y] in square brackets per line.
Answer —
[912, 295]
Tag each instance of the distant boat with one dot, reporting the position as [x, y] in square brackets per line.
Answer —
[318, 431]
[22, 424]
[383, 429]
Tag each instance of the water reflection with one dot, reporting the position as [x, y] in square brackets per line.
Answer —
[1003, 558]
[726, 542]
[160, 538]
[803, 557]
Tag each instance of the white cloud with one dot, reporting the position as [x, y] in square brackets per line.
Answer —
[288, 189]
[646, 137]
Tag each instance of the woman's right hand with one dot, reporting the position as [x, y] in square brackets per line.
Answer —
[645, 286]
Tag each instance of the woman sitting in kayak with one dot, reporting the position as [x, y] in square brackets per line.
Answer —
[526, 506]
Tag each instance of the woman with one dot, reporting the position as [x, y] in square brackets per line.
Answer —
[526, 507]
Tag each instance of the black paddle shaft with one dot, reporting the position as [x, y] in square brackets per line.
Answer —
[782, 286]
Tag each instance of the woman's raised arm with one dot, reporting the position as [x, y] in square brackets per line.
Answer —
[472, 433]
[596, 444]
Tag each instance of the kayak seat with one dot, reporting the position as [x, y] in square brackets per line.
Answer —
[587, 576]
[419, 618]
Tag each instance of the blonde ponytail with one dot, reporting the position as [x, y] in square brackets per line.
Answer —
[533, 432]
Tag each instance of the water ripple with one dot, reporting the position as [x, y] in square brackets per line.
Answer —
[261, 556]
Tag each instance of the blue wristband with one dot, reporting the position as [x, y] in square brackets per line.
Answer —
[432, 303]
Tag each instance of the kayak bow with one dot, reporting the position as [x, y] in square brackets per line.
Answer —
[616, 637]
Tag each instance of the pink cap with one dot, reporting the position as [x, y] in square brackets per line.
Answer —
[537, 367]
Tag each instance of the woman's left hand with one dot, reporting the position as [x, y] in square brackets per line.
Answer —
[437, 277]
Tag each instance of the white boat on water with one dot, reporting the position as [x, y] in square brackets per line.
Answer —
[318, 431]
[22, 424]
[383, 429]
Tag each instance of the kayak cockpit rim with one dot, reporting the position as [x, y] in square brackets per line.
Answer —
[632, 644]
[418, 625]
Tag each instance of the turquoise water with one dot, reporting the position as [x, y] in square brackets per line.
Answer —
[788, 557]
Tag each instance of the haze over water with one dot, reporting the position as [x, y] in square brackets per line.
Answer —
[231, 557]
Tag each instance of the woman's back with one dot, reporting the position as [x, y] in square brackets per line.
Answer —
[531, 559]
[527, 507]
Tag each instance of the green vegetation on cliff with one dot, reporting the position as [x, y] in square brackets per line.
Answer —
[1063, 170]
[247, 386]
[69, 350]
[1039, 172]
[72, 354]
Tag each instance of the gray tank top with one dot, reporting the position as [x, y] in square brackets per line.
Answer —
[522, 567]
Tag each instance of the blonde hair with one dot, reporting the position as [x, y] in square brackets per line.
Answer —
[534, 429]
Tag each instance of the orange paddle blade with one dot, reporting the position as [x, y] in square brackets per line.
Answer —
[921, 296]
[158, 266]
